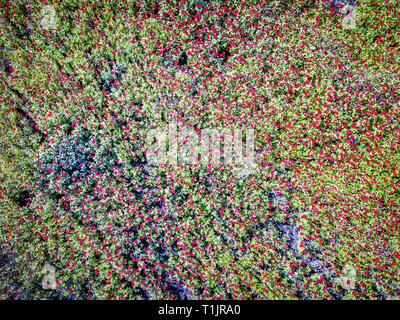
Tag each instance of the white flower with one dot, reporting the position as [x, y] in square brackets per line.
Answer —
[348, 277]
[349, 21]
[48, 17]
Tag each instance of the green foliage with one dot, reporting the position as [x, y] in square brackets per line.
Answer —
[77, 191]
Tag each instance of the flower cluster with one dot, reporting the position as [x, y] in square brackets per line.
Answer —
[77, 192]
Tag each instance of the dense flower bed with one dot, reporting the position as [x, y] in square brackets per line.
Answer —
[82, 91]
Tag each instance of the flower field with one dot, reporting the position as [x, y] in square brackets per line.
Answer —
[83, 83]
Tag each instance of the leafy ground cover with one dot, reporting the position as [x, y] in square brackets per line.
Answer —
[77, 191]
